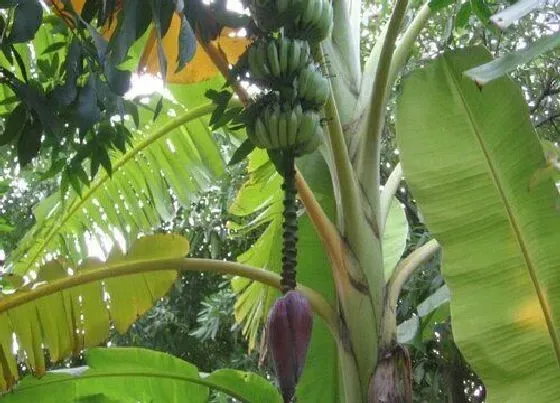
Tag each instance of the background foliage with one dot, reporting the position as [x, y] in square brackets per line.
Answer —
[196, 320]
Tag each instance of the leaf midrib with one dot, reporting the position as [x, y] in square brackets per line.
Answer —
[511, 217]
[162, 131]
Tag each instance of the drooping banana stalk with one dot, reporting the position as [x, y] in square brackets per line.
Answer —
[289, 235]
[286, 122]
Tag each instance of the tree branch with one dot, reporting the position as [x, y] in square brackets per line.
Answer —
[220, 61]
[546, 92]
[320, 306]
[403, 271]
[550, 118]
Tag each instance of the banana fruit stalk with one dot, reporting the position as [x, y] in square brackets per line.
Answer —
[288, 335]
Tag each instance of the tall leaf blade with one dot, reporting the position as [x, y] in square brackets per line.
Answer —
[468, 155]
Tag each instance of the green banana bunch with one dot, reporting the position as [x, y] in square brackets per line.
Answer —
[312, 87]
[270, 15]
[278, 127]
[314, 24]
[280, 58]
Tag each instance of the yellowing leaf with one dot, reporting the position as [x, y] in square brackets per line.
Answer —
[201, 67]
[80, 314]
[529, 314]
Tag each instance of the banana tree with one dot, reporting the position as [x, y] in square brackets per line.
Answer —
[468, 153]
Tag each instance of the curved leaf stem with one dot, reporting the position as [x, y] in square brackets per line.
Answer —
[406, 42]
[368, 151]
[403, 271]
[389, 190]
[350, 206]
[319, 304]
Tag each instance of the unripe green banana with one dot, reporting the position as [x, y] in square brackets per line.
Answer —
[306, 127]
[303, 83]
[273, 128]
[273, 62]
[299, 112]
[317, 12]
[311, 145]
[322, 90]
[292, 127]
[254, 66]
[283, 46]
[261, 135]
[252, 135]
[283, 129]
[315, 22]
[262, 58]
[312, 87]
[304, 55]
[294, 56]
[324, 25]
[307, 15]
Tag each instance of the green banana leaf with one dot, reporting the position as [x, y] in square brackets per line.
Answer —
[496, 68]
[69, 321]
[468, 155]
[139, 375]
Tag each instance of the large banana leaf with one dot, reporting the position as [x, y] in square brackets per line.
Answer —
[76, 318]
[138, 375]
[260, 198]
[166, 163]
[468, 155]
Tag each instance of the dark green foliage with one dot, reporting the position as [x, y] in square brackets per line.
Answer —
[29, 140]
[27, 19]
[14, 127]
[78, 79]
[187, 44]
[439, 4]
[87, 111]
[242, 152]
